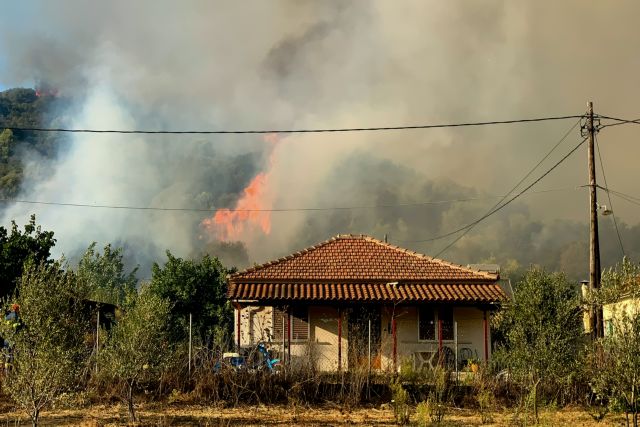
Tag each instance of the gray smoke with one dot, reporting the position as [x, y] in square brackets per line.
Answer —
[304, 64]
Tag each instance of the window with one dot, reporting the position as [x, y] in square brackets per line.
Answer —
[426, 323]
[445, 317]
[299, 324]
[428, 320]
[608, 327]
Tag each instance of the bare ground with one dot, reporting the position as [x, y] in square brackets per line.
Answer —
[199, 415]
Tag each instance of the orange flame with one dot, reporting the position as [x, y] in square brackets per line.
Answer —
[251, 209]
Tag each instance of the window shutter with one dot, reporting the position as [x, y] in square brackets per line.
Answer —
[278, 318]
[299, 324]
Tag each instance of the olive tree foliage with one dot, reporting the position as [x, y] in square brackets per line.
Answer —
[105, 276]
[46, 350]
[615, 359]
[20, 247]
[198, 288]
[542, 332]
[138, 346]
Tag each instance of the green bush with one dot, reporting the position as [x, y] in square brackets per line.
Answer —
[400, 403]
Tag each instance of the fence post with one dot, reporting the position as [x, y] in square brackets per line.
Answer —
[97, 336]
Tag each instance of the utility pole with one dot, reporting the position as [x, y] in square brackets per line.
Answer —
[597, 327]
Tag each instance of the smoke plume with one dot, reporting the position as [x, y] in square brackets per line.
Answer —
[306, 64]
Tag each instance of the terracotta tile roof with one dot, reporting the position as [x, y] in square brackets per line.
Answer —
[349, 257]
[368, 292]
[360, 268]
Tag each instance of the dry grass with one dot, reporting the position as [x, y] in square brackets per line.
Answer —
[198, 415]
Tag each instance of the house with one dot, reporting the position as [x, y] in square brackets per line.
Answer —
[354, 301]
[620, 303]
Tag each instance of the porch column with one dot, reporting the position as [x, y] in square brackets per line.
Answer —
[339, 339]
[455, 344]
[284, 354]
[289, 334]
[394, 334]
[239, 321]
[485, 326]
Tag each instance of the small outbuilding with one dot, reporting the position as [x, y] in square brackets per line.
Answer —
[357, 302]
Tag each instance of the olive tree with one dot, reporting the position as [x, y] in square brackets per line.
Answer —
[105, 276]
[45, 336]
[542, 333]
[138, 346]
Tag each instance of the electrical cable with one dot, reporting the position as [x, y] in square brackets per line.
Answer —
[288, 131]
[620, 121]
[510, 200]
[178, 209]
[527, 175]
[613, 212]
[623, 196]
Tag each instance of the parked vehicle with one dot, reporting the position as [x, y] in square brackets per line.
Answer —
[258, 358]
[231, 360]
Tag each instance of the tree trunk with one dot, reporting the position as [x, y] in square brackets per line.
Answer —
[132, 411]
[535, 401]
[35, 417]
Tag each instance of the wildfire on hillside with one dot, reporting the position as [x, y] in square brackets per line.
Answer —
[252, 208]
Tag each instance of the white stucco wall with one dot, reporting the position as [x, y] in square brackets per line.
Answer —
[321, 349]
[470, 331]
[614, 313]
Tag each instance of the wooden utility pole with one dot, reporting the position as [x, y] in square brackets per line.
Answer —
[597, 327]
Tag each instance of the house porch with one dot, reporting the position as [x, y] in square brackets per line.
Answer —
[366, 336]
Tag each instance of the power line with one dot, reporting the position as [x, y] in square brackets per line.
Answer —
[517, 195]
[287, 131]
[623, 196]
[524, 178]
[619, 120]
[604, 176]
[469, 227]
[303, 209]
[507, 202]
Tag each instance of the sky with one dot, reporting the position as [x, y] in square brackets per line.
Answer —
[295, 64]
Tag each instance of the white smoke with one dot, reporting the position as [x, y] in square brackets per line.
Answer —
[305, 64]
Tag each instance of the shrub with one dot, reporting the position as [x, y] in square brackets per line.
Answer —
[400, 403]
[423, 414]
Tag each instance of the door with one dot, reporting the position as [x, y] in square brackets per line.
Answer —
[364, 335]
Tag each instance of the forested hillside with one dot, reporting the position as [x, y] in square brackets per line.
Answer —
[24, 108]
[201, 173]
